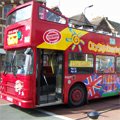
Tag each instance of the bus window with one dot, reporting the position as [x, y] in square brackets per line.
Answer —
[19, 15]
[48, 15]
[42, 13]
[19, 62]
[80, 63]
[118, 64]
[105, 64]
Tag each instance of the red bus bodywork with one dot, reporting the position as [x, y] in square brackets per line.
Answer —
[46, 37]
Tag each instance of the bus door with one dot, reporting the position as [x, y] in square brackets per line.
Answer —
[51, 76]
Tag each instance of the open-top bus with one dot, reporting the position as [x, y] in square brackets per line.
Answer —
[48, 62]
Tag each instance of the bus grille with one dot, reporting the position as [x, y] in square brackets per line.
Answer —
[10, 88]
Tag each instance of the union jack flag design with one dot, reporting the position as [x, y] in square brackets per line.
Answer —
[93, 84]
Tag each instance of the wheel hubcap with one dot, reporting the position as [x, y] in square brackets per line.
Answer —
[76, 95]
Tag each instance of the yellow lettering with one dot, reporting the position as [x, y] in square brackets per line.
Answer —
[75, 63]
[102, 48]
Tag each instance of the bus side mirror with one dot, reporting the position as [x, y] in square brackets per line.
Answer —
[28, 51]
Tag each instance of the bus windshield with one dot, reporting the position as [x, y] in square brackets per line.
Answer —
[19, 15]
[19, 62]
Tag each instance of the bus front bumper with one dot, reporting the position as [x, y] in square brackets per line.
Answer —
[17, 101]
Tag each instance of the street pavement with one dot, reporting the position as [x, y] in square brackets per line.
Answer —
[12, 112]
[108, 108]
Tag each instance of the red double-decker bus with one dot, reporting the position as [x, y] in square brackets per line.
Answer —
[48, 62]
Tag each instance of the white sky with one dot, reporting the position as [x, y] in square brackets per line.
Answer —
[106, 8]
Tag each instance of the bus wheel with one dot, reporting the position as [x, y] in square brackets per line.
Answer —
[77, 96]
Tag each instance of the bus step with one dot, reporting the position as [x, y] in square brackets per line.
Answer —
[48, 98]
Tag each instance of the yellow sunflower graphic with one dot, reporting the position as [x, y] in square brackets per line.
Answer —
[76, 39]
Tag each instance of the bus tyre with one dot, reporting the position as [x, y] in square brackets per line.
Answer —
[77, 96]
